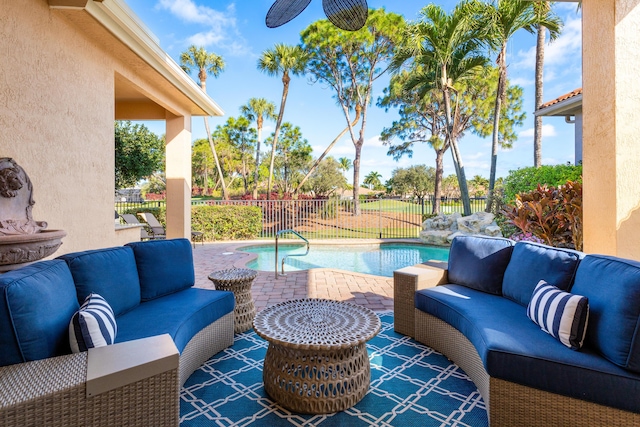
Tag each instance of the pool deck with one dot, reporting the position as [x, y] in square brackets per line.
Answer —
[374, 292]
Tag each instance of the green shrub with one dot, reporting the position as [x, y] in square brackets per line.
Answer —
[230, 222]
[527, 179]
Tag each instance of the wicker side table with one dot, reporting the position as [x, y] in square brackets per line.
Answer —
[238, 281]
[317, 360]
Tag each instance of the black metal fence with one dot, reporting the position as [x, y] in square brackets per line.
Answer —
[334, 218]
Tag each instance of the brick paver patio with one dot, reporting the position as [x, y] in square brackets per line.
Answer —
[374, 292]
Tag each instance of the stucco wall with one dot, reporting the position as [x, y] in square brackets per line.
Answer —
[56, 119]
[611, 127]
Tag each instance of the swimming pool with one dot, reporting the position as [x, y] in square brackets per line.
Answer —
[380, 260]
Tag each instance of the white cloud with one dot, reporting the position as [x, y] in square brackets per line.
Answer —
[547, 130]
[220, 25]
[558, 53]
[373, 142]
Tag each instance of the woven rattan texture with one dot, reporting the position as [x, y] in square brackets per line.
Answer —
[283, 11]
[27, 381]
[350, 15]
[317, 360]
[513, 404]
[209, 341]
[316, 381]
[149, 402]
[316, 324]
[404, 289]
[238, 281]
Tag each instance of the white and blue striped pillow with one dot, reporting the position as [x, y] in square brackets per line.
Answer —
[560, 314]
[94, 325]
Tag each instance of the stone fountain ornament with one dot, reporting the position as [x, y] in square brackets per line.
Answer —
[22, 240]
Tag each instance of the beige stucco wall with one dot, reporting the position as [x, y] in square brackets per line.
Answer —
[56, 119]
[611, 107]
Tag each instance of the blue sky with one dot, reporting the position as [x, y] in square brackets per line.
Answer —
[236, 31]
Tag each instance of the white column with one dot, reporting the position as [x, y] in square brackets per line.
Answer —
[178, 174]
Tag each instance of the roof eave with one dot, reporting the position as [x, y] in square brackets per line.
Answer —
[567, 107]
[122, 22]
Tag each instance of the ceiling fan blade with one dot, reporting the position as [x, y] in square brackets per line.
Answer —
[283, 11]
[350, 15]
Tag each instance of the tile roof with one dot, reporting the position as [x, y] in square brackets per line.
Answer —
[561, 98]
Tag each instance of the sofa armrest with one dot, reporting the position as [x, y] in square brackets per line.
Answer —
[408, 280]
[54, 391]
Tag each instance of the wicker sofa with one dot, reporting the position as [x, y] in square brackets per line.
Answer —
[166, 329]
[473, 309]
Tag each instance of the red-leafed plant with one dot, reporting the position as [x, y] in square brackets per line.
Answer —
[551, 214]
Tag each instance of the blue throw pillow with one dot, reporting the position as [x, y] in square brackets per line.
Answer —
[532, 262]
[94, 325]
[613, 287]
[109, 272]
[479, 262]
[562, 315]
[164, 266]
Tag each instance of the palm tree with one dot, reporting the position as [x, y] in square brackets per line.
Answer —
[258, 109]
[373, 180]
[541, 9]
[502, 20]
[444, 49]
[206, 63]
[345, 164]
[282, 59]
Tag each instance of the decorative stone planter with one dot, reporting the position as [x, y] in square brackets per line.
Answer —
[22, 249]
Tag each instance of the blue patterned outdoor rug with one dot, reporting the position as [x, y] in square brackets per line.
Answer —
[411, 385]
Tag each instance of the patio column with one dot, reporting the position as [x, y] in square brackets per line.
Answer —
[611, 107]
[178, 173]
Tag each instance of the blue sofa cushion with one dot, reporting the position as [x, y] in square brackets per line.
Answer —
[164, 266]
[94, 325]
[36, 304]
[513, 348]
[560, 314]
[479, 262]
[181, 315]
[532, 262]
[613, 288]
[109, 272]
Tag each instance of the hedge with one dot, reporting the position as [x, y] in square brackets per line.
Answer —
[230, 222]
[525, 180]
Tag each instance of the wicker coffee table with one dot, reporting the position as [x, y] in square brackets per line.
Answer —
[238, 281]
[317, 360]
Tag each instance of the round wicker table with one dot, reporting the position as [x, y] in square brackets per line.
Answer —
[238, 281]
[317, 360]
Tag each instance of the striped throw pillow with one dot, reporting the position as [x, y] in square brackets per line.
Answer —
[94, 325]
[560, 314]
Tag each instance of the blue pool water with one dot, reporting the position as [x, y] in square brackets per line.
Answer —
[380, 260]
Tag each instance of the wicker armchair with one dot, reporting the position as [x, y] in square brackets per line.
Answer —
[131, 383]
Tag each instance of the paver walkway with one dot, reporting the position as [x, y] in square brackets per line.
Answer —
[374, 292]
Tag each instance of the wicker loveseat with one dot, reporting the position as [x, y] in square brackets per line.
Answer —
[166, 328]
[474, 311]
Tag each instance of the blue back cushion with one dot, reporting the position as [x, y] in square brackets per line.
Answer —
[613, 288]
[164, 266]
[110, 273]
[532, 262]
[479, 262]
[36, 305]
